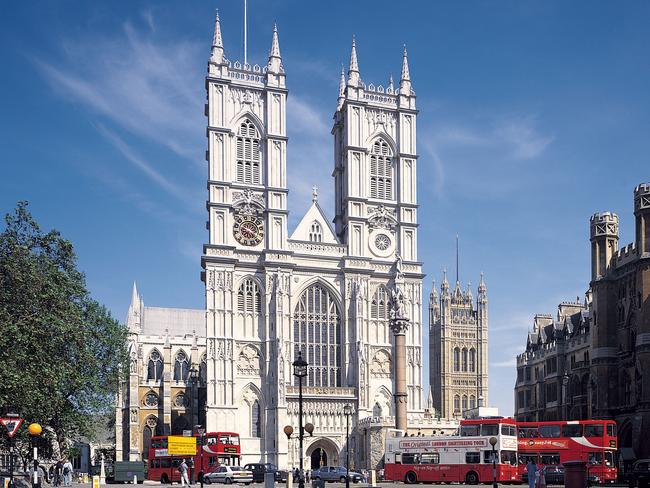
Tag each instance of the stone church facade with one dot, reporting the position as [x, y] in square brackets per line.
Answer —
[325, 291]
[458, 348]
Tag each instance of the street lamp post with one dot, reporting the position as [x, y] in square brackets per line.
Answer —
[300, 372]
[201, 431]
[493, 443]
[193, 377]
[347, 411]
[35, 430]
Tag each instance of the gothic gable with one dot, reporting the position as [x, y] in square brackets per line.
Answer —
[314, 227]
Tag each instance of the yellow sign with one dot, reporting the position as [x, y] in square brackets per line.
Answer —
[6, 483]
[95, 481]
[178, 445]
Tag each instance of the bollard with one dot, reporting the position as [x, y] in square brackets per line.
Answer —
[290, 479]
[269, 480]
[135, 479]
[373, 477]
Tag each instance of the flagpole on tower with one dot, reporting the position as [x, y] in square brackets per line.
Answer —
[245, 33]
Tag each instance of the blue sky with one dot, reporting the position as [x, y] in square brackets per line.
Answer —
[533, 115]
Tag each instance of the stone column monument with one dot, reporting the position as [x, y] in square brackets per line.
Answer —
[399, 323]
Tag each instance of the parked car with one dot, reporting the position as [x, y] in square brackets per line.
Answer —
[554, 475]
[228, 475]
[640, 474]
[335, 473]
[260, 469]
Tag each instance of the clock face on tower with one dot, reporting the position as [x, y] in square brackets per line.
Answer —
[248, 230]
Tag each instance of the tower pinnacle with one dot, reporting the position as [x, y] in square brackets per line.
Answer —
[353, 72]
[339, 105]
[405, 80]
[275, 59]
[217, 55]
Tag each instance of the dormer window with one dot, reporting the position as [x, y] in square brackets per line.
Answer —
[315, 232]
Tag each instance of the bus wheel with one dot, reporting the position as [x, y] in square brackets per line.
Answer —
[411, 478]
[164, 480]
[471, 478]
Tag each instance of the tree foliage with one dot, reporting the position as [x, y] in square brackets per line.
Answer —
[62, 352]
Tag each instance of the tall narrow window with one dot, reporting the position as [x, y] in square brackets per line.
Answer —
[249, 298]
[317, 335]
[380, 304]
[472, 360]
[464, 359]
[248, 154]
[256, 425]
[315, 232]
[464, 402]
[181, 366]
[456, 404]
[203, 371]
[456, 359]
[472, 401]
[155, 366]
[381, 171]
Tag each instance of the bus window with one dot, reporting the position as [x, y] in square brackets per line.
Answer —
[490, 429]
[550, 458]
[212, 461]
[212, 441]
[165, 463]
[487, 456]
[229, 439]
[595, 458]
[410, 459]
[398, 458]
[524, 458]
[528, 432]
[469, 430]
[609, 459]
[549, 431]
[508, 429]
[472, 457]
[509, 457]
[572, 430]
[611, 430]
[594, 430]
[430, 458]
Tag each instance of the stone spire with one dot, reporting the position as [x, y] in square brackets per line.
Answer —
[482, 290]
[434, 292]
[391, 85]
[405, 80]
[134, 314]
[341, 98]
[353, 72]
[217, 43]
[444, 287]
[134, 294]
[275, 59]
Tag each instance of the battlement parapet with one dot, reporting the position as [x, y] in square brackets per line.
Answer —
[603, 224]
[642, 197]
[625, 254]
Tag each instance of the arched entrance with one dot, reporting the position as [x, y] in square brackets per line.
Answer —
[322, 451]
[318, 458]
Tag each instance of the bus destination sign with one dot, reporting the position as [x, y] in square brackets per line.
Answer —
[438, 443]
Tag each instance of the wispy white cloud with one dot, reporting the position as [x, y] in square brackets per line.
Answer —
[523, 138]
[151, 88]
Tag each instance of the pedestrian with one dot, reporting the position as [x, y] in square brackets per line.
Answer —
[183, 470]
[67, 470]
[531, 469]
[58, 473]
[365, 475]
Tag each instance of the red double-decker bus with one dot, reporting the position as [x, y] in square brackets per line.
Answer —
[465, 458]
[555, 442]
[212, 450]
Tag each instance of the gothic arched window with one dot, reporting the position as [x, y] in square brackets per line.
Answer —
[315, 232]
[181, 366]
[256, 422]
[249, 298]
[248, 154]
[472, 401]
[203, 371]
[317, 334]
[456, 403]
[456, 359]
[472, 360]
[464, 359]
[464, 402]
[154, 366]
[381, 171]
[380, 305]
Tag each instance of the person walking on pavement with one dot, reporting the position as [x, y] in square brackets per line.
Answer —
[531, 469]
[67, 470]
[183, 470]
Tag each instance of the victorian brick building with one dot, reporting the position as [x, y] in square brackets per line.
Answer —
[593, 360]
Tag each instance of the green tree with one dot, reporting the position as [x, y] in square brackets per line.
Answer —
[62, 352]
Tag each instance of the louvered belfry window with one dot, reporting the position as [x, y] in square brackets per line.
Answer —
[248, 154]
[379, 307]
[381, 171]
[249, 299]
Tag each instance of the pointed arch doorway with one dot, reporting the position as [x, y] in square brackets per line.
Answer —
[318, 458]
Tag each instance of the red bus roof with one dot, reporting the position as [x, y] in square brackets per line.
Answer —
[489, 420]
[566, 422]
